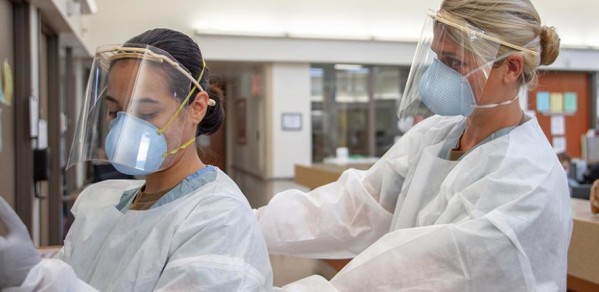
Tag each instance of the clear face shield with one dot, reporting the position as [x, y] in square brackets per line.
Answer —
[450, 70]
[134, 113]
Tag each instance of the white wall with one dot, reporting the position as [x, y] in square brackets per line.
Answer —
[118, 20]
[35, 91]
[576, 60]
[290, 93]
[269, 90]
[264, 49]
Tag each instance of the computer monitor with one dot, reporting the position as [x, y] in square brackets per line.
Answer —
[581, 191]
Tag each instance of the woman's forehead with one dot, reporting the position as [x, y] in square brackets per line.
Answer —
[130, 78]
[132, 83]
[443, 44]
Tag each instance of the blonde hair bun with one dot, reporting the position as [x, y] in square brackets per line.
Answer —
[550, 42]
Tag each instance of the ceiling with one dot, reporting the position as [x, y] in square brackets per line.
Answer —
[117, 20]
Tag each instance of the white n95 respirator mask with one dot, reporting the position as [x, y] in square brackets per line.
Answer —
[446, 92]
[134, 142]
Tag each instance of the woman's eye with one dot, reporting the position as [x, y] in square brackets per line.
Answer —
[456, 64]
[453, 63]
[146, 116]
[112, 114]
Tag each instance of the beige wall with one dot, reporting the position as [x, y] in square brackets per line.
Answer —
[7, 170]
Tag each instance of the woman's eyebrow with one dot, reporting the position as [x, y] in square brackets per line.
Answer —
[448, 54]
[111, 99]
[137, 101]
[146, 100]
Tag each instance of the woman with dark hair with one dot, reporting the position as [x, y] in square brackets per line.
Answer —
[187, 226]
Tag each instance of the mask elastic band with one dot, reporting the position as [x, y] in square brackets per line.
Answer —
[492, 105]
[486, 65]
[211, 102]
[174, 151]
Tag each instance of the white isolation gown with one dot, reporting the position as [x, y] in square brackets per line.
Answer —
[496, 220]
[200, 236]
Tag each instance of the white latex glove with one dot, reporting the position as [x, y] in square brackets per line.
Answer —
[17, 254]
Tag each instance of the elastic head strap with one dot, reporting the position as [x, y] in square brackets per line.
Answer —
[174, 151]
[211, 102]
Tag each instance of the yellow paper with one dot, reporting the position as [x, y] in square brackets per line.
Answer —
[557, 102]
[1, 88]
[7, 82]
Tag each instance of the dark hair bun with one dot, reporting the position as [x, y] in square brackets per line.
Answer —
[215, 115]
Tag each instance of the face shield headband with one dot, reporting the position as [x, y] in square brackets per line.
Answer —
[121, 52]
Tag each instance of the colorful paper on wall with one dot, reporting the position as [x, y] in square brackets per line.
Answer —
[557, 102]
[570, 102]
[543, 101]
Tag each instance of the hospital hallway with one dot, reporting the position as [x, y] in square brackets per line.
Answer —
[286, 269]
[459, 146]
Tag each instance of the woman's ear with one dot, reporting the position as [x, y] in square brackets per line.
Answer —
[514, 66]
[198, 107]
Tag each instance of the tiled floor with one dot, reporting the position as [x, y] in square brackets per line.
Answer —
[286, 269]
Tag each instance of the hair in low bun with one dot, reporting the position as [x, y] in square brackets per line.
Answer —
[550, 42]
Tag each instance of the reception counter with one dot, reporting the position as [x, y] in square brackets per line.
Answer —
[583, 255]
[313, 176]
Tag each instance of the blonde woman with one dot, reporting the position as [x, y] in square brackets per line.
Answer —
[473, 198]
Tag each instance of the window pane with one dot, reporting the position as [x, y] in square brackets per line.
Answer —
[340, 97]
[387, 92]
[320, 143]
[352, 109]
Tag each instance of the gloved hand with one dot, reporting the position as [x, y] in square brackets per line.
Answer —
[17, 254]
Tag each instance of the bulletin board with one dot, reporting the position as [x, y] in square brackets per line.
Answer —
[561, 102]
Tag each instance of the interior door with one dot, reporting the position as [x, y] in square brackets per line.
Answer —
[573, 88]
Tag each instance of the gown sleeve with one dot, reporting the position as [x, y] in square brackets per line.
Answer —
[52, 275]
[476, 256]
[340, 219]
